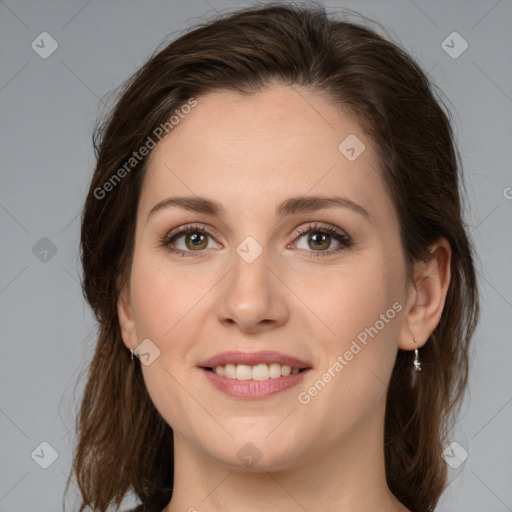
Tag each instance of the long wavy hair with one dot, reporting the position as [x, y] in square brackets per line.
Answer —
[123, 444]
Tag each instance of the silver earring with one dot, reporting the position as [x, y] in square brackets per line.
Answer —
[416, 362]
[131, 350]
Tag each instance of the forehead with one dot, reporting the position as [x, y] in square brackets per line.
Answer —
[281, 141]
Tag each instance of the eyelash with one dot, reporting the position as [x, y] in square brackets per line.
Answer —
[344, 240]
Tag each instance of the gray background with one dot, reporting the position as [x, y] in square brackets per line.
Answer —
[48, 110]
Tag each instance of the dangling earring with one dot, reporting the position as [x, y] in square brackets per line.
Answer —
[131, 350]
[416, 362]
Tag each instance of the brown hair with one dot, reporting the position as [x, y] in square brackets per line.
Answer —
[123, 442]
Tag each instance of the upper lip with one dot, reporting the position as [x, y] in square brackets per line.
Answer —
[253, 358]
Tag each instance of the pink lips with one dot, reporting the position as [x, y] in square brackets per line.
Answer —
[253, 389]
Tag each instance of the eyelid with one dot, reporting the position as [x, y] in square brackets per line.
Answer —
[172, 235]
[320, 226]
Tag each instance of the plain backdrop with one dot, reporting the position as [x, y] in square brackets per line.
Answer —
[49, 104]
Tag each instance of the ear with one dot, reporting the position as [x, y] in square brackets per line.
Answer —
[126, 322]
[426, 296]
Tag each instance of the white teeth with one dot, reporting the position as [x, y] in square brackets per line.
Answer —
[243, 372]
[275, 370]
[229, 371]
[257, 372]
[260, 372]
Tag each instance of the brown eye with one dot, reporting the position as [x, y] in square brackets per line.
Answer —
[189, 240]
[196, 240]
[319, 241]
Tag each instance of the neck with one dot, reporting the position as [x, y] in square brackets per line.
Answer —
[347, 475]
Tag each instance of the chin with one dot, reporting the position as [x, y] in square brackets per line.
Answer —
[257, 453]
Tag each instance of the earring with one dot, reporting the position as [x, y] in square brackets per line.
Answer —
[131, 350]
[416, 362]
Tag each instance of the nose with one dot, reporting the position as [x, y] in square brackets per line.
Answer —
[253, 297]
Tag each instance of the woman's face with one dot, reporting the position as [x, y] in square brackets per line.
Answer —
[265, 276]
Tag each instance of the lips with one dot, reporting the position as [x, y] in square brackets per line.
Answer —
[253, 375]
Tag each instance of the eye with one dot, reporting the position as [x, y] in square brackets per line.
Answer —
[188, 239]
[192, 240]
[318, 239]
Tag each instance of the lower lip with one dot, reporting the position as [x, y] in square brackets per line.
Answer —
[253, 389]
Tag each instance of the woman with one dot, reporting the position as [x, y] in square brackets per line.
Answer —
[274, 229]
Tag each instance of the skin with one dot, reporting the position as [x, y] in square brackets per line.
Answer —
[249, 154]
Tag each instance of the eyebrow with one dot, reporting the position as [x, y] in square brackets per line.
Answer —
[290, 206]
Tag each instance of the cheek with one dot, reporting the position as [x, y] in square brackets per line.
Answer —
[345, 302]
[152, 302]
[162, 297]
[362, 309]
[163, 302]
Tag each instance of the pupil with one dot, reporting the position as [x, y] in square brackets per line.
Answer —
[319, 240]
[196, 239]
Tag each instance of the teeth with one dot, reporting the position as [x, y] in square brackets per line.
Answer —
[274, 371]
[243, 372]
[229, 371]
[260, 372]
[257, 372]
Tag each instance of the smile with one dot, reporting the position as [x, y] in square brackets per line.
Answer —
[253, 375]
